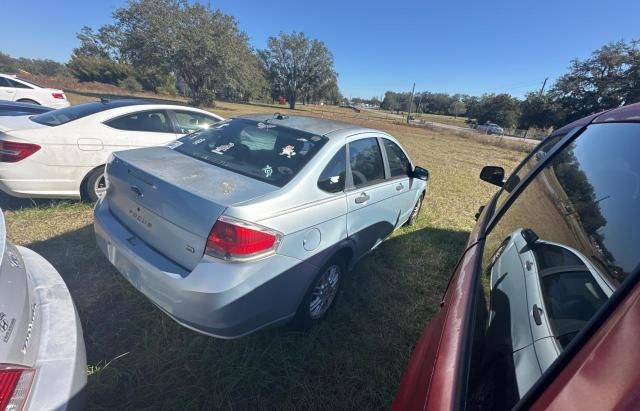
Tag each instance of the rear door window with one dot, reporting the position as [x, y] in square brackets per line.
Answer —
[188, 121]
[155, 121]
[264, 151]
[332, 178]
[571, 236]
[365, 160]
[18, 84]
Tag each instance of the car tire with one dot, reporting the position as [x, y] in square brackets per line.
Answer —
[321, 295]
[95, 185]
[28, 100]
[416, 211]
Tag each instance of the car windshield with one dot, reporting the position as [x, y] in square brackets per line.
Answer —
[71, 113]
[260, 150]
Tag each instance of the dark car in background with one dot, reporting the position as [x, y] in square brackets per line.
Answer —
[543, 308]
[14, 108]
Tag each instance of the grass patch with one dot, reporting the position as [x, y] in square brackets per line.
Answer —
[140, 359]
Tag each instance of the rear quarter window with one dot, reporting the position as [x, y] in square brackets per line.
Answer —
[264, 151]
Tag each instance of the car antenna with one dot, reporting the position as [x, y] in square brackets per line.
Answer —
[279, 116]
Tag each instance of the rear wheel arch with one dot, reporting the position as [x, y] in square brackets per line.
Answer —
[28, 100]
[84, 189]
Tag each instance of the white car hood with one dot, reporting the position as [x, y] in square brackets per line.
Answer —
[9, 123]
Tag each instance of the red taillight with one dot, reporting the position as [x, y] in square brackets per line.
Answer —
[58, 95]
[15, 383]
[233, 239]
[11, 152]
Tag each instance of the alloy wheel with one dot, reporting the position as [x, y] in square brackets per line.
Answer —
[324, 292]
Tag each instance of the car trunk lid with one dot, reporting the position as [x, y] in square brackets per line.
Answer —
[171, 201]
[8, 123]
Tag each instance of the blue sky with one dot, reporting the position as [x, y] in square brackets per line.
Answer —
[467, 47]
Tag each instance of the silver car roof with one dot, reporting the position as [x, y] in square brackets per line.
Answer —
[311, 125]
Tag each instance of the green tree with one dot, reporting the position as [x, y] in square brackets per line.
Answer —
[539, 110]
[607, 79]
[163, 40]
[297, 66]
[502, 109]
[458, 108]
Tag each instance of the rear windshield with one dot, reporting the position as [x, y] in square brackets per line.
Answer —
[67, 114]
[264, 151]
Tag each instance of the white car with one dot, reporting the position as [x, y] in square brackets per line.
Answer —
[14, 88]
[61, 153]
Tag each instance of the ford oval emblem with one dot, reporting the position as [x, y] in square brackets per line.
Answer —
[137, 190]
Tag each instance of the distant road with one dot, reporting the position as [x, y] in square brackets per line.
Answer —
[458, 128]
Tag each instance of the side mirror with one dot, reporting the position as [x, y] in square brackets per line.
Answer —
[421, 173]
[493, 175]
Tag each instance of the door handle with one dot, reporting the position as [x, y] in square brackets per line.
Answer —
[399, 187]
[537, 311]
[362, 198]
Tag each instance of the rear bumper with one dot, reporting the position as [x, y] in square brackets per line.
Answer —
[61, 363]
[220, 299]
[32, 179]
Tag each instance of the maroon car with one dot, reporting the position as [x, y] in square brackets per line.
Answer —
[543, 308]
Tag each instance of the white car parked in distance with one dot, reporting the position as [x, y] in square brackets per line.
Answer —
[14, 88]
[61, 153]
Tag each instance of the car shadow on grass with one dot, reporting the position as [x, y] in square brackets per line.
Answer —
[139, 358]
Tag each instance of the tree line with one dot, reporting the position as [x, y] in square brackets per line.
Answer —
[609, 78]
[172, 46]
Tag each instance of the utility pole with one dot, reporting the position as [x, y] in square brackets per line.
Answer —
[544, 83]
[411, 101]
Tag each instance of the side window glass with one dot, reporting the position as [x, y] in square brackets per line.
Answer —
[4, 82]
[365, 160]
[521, 172]
[189, 122]
[151, 121]
[17, 84]
[554, 258]
[332, 178]
[399, 164]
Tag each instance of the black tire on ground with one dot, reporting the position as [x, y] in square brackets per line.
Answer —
[28, 100]
[416, 211]
[94, 181]
[331, 275]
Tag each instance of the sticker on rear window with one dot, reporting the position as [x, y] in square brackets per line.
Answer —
[263, 125]
[267, 170]
[334, 179]
[288, 151]
[174, 144]
[221, 149]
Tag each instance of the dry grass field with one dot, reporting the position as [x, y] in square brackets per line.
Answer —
[140, 359]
